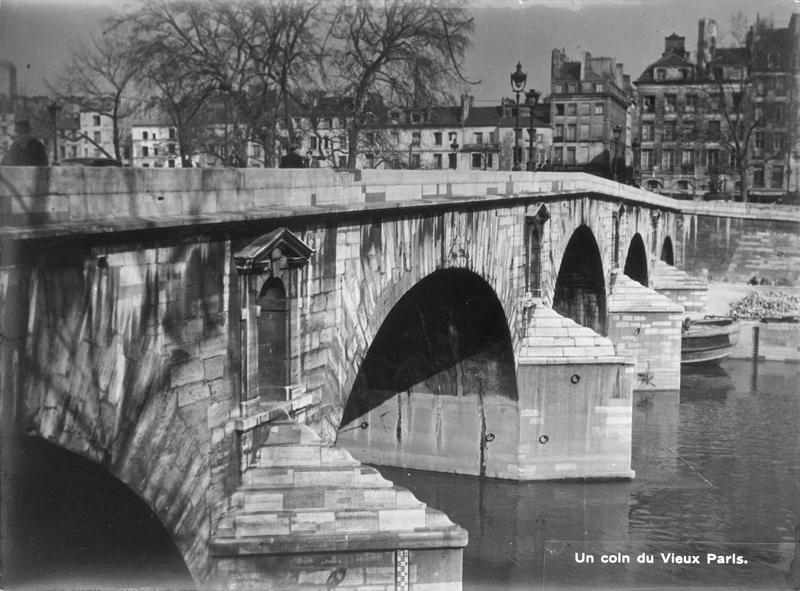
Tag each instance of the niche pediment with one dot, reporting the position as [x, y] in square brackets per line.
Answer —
[279, 246]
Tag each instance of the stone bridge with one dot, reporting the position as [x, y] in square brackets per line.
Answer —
[233, 344]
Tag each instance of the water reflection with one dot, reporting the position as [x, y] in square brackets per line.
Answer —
[718, 467]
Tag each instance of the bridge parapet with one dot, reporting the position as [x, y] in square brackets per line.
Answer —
[63, 200]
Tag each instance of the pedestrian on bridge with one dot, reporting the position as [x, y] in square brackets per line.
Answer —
[26, 150]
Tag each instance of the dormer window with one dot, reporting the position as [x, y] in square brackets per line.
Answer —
[661, 74]
[416, 118]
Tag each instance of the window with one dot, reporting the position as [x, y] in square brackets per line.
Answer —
[172, 133]
[415, 138]
[476, 160]
[558, 155]
[451, 137]
[647, 159]
[96, 120]
[780, 86]
[598, 87]
[647, 132]
[477, 137]
[571, 129]
[570, 155]
[559, 108]
[687, 161]
[489, 161]
[413, 161]
[437, 138]
[256, 150]
[661, 73]
[145, 151]
[97, 136]
[171, 163]
[558, 132]
[714, 129]
[343, 161]
[684, 73]
[371, 137]
[691, 103]
[145, 165]
[712, 158]
[558, 89]
[572, 109]
[312, 142]
[370, 158]
[777, 113]
[668, 160]
[491, 137]
[777, 177]
[452, 161]
[778, 143]
[649, 104]
[155, 150]
[599, 108]
[416, 117]
[583, 132]
[758, 176]
[670, 103]
[670, 131]
[584, 108]
[326, 141]
[759, 140]
[437, 161]
[171, 148]
[572, 88]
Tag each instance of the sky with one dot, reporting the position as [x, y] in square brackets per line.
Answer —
[38, 34]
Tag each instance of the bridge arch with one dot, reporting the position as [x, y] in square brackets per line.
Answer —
[580, 292]
[438, 382]
[636, 260]
[667, 252]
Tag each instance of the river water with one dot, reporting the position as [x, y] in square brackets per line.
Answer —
[717, 471]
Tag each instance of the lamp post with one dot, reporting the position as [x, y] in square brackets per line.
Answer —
[617, 132]
[636, 145]
[518, 80]
[54, 109]
[226, 88]
[532, 98]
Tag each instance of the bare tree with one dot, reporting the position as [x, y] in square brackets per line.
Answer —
[256, 53]
[377, 47]
[99, 78]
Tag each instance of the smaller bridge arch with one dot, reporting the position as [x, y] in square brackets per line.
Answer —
[636, 260]
[667, 251]
[580, 292]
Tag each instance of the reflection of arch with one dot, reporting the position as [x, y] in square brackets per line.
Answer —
[580, 287]
[667, 253]
[447, 335]
[79, 520]
[273, 339]
[636, 261]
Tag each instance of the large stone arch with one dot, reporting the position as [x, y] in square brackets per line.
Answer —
[437, 388]
[383, 261]
[580, 288]
[113, 371]
[636, 262]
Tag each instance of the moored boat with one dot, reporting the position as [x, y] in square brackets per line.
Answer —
[709, 340]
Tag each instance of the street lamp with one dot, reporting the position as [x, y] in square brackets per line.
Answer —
[226, 88]
[518, 80]
[636, 145]
[54, 109]
[617, 133]
[532, 98]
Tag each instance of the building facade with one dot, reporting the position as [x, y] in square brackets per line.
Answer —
[592, 107]
[727, 118]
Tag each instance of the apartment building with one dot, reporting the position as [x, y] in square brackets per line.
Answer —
[729, 115]
[592, 110]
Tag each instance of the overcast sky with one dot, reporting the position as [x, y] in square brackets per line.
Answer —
[37, 34]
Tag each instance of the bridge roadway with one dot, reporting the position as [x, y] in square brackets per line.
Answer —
[233, 344]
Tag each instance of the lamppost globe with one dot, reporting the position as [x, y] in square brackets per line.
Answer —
[518, 81]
